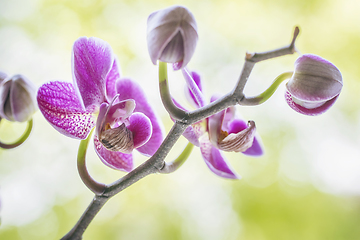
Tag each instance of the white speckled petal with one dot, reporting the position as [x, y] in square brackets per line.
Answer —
[61, 107]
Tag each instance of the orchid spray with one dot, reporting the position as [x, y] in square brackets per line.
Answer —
[116, 107]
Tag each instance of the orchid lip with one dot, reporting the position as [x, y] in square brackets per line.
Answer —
[238, 142]
[119, 138]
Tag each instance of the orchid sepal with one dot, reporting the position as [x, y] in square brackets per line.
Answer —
[61, 107]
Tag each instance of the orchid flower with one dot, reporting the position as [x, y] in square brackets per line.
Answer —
[99, 97]
[223, 131]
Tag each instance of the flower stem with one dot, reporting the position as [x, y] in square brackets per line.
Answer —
[179, 161]
[264, 96]
[93, 185]
[156, 162]
[169, 105]
[252, 58]
[21, 140]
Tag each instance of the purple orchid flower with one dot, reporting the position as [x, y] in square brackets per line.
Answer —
[223, 131]
[99, 97]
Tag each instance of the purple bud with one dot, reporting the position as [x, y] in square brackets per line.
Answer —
[172, 35]
[17, 99]
[314, 86]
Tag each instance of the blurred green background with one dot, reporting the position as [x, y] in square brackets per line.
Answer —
[306, 186]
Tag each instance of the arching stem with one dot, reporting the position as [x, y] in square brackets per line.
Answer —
[170, 167]
[21, 140]
[264, 96]
[93, 185]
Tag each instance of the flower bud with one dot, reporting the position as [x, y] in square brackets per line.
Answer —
[314, 86]
[172, 35]
[17, 98]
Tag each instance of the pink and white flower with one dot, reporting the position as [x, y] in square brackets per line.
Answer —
[100, 97]
[223, 131]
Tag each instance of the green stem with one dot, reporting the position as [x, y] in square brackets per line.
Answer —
[93, 185]
[21, 140]
[179, 161]
[173, 110]
[264, 96]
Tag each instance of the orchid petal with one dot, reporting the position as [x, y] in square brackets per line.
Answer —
[215, 161]
[111, 78]
[193, 132]
[61, 107]
[140, 126]
[101, 119]
[128, 89]
[309, 111]
[256, 148]
[92, 60]
[214, 124]
[229, 114]
[115, 160]
[193, 90]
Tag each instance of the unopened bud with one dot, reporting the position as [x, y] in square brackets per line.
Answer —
[172, 35]
[314, 86]
[17, 99]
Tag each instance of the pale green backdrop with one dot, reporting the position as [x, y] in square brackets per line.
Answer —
[306, 186]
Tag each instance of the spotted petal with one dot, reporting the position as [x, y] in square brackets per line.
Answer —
[115, 160]
[128, 89]
[62, 108]
[215, 161]
[92, 60]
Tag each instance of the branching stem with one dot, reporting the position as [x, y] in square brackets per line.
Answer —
[183, 119]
